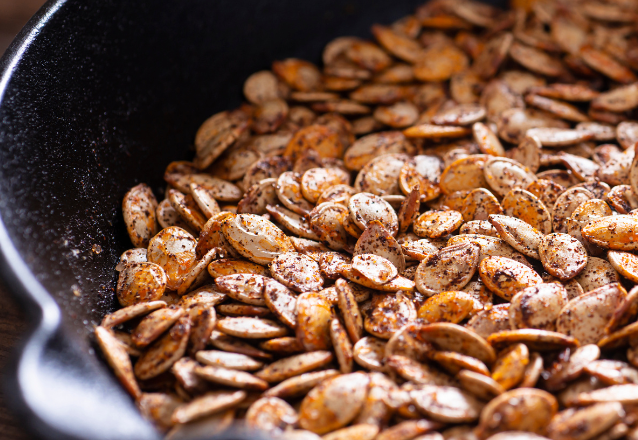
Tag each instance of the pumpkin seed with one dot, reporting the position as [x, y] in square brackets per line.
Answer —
[408, 429]
[597, 273]
[464, 174]
[251, 328]
[533, 371]
[210, 403]
[333, 403]
[282, 346]
[487, 140]
[341, 345]
[138, 209]
[387, 314]
[358, 432]
[164, 352]
[562, 255]
[451, 307]
[154, 324]
[255, 238]
[591, 421]
[503, 412]
[258, 197]
[314, 314]
[518, 234]
[297, 271]
[131, 312]
[624, 394]
[424, 171]
[462, 114]
[480, 385]
[270, 414]
[490, 246]
[493, 54]
[316, 180]
[231, 378]
[406, 342]
[244, 287]
[514, 124]
[141, 282]
[294, 366]
[509, 368]
[298, 74]
[600, 61]
[446, 404]
[490, 321]
[612, 372]
[625, 263]
[118, 359]
[398, 115]
[369, 352]
[521, 204]
[506, 277]
[326, 221]
[502, 174]
[455, 362]
[376, 269]
[417, 372]
[377, 240]
[365, 207]
[586, 316]
[234, 345]
[452, 337]
[173, 249]
[478, 227]
[479, 204]
[205, 295]
[558, 108]
[429, 131]
[137, 255]
[300, 384]
[212, 237]
[224, 267]
[197, 275]
[437, 224]
[538, 306]
[539, 340]
[559, 137]
[237, 309]
[187, 209]
[625, 312]
[449, 269]
[439, 62]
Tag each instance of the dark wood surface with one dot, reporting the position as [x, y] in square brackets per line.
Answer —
[13, 16]
[12, 327]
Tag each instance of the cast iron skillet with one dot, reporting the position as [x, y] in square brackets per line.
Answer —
[95, 98]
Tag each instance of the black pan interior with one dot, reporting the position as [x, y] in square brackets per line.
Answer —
[99, 96]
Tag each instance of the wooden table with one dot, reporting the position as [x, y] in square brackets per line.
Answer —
[12, 327]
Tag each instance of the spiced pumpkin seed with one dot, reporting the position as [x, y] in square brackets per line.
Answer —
[518, 234]
[586, 316]
[538, 306]
[333, 403]
[446, 404]
[251, 328]
[434, 273]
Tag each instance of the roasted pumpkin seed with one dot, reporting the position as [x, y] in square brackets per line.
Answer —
[407, 305]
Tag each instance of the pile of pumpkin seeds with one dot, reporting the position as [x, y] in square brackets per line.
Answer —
[430, 236]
